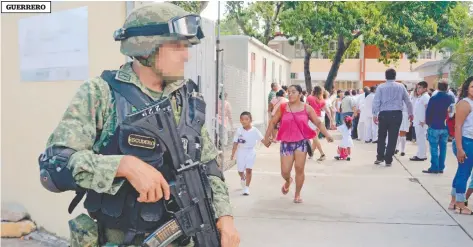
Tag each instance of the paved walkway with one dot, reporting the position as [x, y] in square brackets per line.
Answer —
[350, 203]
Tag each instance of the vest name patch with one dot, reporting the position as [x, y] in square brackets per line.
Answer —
[141, 141]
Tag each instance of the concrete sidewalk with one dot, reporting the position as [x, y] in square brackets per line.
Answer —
[350, 203]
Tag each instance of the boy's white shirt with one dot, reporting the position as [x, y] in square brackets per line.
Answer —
[253, 129]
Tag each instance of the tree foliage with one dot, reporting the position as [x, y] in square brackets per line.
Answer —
[229, 27]
[255, 19]
[195, 7]
[394, 27]
[460, 47]
[315, 24]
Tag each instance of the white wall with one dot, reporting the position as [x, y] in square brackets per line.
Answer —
[202, 63]
[248, 92]
[41, 105]
[261, 85]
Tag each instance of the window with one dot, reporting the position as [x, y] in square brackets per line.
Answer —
[264, 69]
[253, 62]
[425, 54]
[272, 72]
[299, 50]
[293, 75]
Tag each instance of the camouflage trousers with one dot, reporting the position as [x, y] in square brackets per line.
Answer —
[84, 233]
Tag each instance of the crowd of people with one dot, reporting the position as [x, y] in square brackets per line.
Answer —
[387, 115]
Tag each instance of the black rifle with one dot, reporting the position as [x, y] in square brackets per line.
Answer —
[190, 190]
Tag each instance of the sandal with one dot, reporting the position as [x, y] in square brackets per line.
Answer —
[298, 200]
[322, 157]
[461, 209]
[285, 190]
[453, 206]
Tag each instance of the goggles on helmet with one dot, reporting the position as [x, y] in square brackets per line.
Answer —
[188, 26]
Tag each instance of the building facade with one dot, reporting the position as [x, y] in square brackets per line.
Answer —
[433, 71]
[249, 68]
[362, 69]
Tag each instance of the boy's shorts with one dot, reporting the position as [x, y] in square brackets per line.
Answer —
[245, 159]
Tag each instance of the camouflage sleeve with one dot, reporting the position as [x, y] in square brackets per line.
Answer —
[221, 199]
[78, 129]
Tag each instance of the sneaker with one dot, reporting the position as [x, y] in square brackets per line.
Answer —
[348, 159]
[377, 162]
[246, 191]
[243, 184]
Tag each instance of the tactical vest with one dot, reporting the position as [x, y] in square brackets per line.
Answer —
[122, 210]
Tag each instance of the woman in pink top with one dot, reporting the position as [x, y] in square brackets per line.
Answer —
[317, 102]
[294, 131]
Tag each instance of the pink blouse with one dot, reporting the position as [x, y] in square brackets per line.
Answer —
[294, 125]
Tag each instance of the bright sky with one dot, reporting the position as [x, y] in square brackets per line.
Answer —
[211, 12]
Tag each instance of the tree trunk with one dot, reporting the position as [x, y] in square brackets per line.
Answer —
[337, 60]
[308, 79]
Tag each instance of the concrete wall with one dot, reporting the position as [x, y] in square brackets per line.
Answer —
[276, 71]
[234, 71]
[31, 111]
[202, 63]
[246, 91]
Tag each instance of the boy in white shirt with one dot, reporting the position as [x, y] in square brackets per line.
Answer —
[244, 143]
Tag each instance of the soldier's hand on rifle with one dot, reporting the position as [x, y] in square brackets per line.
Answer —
[229, 235]
[148, 181]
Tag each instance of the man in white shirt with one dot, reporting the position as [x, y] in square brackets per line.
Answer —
[361, 122]
[419, 121]
[370, 129]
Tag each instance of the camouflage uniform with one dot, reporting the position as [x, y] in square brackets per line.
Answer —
[92, 111]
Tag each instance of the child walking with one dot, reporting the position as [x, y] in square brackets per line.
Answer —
[344, 149]
[244, 143]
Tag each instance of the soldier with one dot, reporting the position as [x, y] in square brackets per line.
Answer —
[86, 150]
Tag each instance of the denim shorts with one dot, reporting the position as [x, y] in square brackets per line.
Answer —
[288, 148]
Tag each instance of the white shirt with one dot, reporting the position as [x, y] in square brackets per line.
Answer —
[347, 141]
[247, 138]
[420, 108]
[367, 107]
[467, 128]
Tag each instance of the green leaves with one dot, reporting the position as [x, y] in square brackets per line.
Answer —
[255, 19]
[195, 7]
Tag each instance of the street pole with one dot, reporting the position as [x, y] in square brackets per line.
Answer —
[222, 110]
[216, 139]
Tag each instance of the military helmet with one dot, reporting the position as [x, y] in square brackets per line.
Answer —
[151, 25]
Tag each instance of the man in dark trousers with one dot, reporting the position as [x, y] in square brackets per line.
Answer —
[387, 113]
